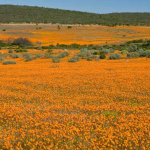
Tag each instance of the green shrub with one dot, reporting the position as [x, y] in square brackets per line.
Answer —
[97, 58]
[27, 56]
[22, 41]
[9, 62]
[63, 54]
[56, 60]
[50, 51]
[141, 52]
[69, 27]
[129, 55]
[84, 50]
[82, 54]
[15, 55]
[124, 52]
[89, 59]
[147, 54]
[102, 56]
[96, 53]
[111, 50]
[106, 51]
[48, 55]
[74, 59]
[114, 56]
[132, 48]
[10, 51]
[21, 50]
[39, 48]
[38, 56]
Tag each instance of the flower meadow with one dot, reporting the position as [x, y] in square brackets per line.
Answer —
[80, 34]
[103, 105]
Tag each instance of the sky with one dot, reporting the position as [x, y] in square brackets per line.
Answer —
[94, 6]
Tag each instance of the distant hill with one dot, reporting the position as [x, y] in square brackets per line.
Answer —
[28, 14]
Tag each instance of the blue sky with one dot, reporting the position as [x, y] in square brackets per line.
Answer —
[95, 6]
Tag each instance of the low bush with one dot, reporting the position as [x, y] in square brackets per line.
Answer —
[102, 56]
[74, 59]
[22, 41]
[10, 51]
[15, 55]
[27, 56]
[1, 58]
[50, 51]
[56, 60]
[97, 58]
[106, 51]
[38, 55]
[21, 50]
[132, 48]
[96, 53]
[89, 59]
[114, 56]
[124, 52]
[48, 55]
[9, 62]
[147, 54]
[69, 27]
[82, 54]
[63, 54]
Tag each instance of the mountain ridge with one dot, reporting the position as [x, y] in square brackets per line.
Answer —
[35, 14]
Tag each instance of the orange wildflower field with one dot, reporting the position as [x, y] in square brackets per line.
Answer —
[101, 105]
[81, 34]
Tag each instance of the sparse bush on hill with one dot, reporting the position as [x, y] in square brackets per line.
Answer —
[9, 62]
[114, 56]
[28, 14]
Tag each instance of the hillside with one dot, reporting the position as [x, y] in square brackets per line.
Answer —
[28, 14]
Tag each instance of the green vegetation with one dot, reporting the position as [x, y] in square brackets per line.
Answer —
[114, 56]
[15, 55]
[27, 56]
[28, 14]
[9, 62]
[74, 59]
